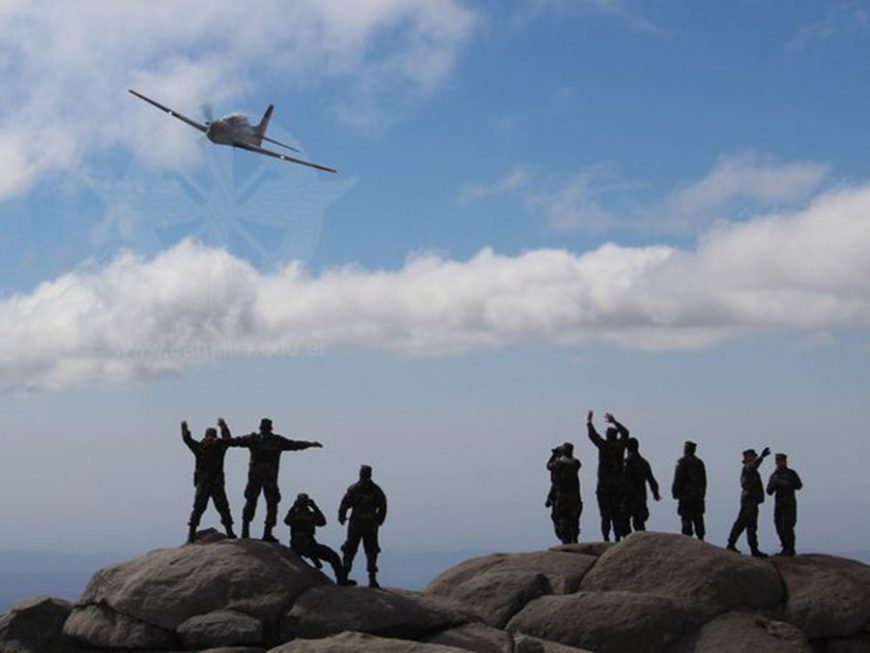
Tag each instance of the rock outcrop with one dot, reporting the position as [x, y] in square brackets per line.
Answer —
[651, 593]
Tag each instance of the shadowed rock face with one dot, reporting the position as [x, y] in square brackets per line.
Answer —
[141, 603]
[329, 610]
[607, 622]
[34, 624]
[827, 596]
[737, 632]
[705, 579]
[351, 642]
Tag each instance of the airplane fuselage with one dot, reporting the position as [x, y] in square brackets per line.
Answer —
[232, 129]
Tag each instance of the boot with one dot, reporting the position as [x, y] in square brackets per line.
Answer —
[731, 547]
[191, 534]
[231, 535]
[267, 535]
[758, 553]
[373, 581]
[246, 529]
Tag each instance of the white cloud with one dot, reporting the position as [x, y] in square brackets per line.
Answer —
[514, 180]
[803, 271]
[736, 184]
[65, 67]
[839, 18]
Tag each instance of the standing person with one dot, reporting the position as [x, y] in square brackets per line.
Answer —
[303, 518]
[751, 495]
[690, 490]
[565, 493]
[208, 477]
[368, 506]
[611, 451]
[266, 448]
[783, 483]
[637, 474]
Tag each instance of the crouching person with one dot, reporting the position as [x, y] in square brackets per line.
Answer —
[303, 518]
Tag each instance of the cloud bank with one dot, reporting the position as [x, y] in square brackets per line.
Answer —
[65, 67]
[805, 271]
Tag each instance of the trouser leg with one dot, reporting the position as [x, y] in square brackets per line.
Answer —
[200, 501]
[252, 494]
[273, 499]
[700, 530]
[350, 546]
[219, 498]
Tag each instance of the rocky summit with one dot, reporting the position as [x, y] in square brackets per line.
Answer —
[651, 593]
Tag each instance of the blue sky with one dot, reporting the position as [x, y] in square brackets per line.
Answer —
[543, 207]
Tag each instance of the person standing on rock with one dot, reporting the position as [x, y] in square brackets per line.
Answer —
[565, 493]
[751, 495]
[611, 452]
[368, 506]
[637, 474]
[690, 489]
[783, 483]
[209, 476]
[303, 518]
[266, 448]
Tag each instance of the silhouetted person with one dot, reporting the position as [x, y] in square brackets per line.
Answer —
[303, 518]
[611, 451]
[565, 493]
[783, 483]
[751, 495]
[551, 495]
[637, 474]
[368, 506]
[208, 477]
[690, 489]
[266, 448]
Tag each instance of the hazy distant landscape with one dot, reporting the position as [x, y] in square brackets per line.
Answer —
[24, 574]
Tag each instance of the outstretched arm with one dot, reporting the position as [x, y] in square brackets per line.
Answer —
[295, 445]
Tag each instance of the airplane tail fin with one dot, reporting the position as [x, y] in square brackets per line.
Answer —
[264, 123]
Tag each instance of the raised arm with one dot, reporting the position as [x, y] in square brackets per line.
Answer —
[764, 454]
[596, 439]
[225, 430]
[319, 517]
[192, 444]
[623, 432]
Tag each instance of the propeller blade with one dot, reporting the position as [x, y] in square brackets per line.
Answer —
[207, 113]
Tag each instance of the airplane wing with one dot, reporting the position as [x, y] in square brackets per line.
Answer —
[272, 140]
[283, 157]
[171, 112]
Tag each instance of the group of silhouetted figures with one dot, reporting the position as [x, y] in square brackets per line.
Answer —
[364, 499]
[623, 477]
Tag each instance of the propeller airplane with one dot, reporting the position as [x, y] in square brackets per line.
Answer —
[235, 130]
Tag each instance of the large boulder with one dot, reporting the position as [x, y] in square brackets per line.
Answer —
[328, 610]
[498, 586]
[135, 604]
[351, 642]
[95, 625]
[221, 628]
[857, 644]
[705, 579]
[827, 596]
[475, 637]
[738, 632]
[586, 548]
[35, 625]
[606, 622]
[498, 596]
